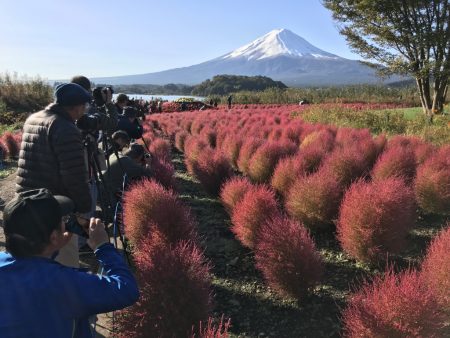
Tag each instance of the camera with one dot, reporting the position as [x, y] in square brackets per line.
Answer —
[74, 227]
[97, 94]
[89, 123]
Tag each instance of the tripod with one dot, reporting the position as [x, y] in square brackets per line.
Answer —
[104, 194]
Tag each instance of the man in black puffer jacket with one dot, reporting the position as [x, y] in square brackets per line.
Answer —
[51, 154]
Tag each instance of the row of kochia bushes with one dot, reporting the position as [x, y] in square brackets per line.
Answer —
[280, 179]
[173, 274]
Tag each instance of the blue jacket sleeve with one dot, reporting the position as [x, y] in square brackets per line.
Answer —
[85, 294]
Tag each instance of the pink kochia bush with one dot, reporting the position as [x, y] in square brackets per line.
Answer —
[148, 207]
[432, 184]
[161, 149]
[248, 148]
[436, 267]
[233, 191]
[163, 172]
[175, 290]
[396, 306]
[256, 207]
[287, 257]
[212, 169]
[11, 144]
[375, 219]
[397, 161]
[263, 162]
[314, 200]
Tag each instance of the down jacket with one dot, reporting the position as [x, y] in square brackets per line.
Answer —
[52, 156]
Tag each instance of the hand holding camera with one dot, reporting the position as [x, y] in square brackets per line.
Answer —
[97, 234]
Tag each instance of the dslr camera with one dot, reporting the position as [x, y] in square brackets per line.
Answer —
[93, 122]
[97, 94]
[74, 227]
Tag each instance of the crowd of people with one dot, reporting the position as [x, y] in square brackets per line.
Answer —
[77, 155]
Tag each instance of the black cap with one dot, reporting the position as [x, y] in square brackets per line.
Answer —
[71, 94]
[34, 212]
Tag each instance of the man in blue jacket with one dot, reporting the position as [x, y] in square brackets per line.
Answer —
[42, 298]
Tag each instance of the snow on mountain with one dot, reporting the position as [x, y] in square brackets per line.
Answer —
[278, 42]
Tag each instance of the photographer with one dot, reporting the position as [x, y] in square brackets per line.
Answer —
[102, 113]
[121, 102]
[129, 122]
[135, 163]
[42, 298]
[52, 156]
[119, 140]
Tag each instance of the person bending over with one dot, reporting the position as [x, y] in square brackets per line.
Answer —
[135, 163]
[129, 122]
[42, 298]
[119, 140]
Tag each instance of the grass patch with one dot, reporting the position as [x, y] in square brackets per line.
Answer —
[408, 121]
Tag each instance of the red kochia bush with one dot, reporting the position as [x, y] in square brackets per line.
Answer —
[432, 184]
[175, 290]
[180, 138]
[163, 172]
[161, 149]
[375, 218]
[436, 267]
[212, 169]
[231, 146]
[247, 150]
[314, 200]
[263, 162]
[149, 207]
[256, 207]
[287, 257]
[11, 144]
[396, 162]
[396, 306]
[233, 191]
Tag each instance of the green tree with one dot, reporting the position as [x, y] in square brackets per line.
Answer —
[408, 37]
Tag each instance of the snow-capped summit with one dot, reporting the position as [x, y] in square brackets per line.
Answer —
[278, 42]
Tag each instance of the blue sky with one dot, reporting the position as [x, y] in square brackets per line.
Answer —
[59, 38]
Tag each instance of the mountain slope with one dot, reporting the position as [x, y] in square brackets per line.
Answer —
[280, 55]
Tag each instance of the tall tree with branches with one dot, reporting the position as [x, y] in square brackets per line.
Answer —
[407, 37]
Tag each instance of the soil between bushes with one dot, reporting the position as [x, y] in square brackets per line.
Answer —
[241, 294]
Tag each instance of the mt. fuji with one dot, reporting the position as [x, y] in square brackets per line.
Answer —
[280, 54]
